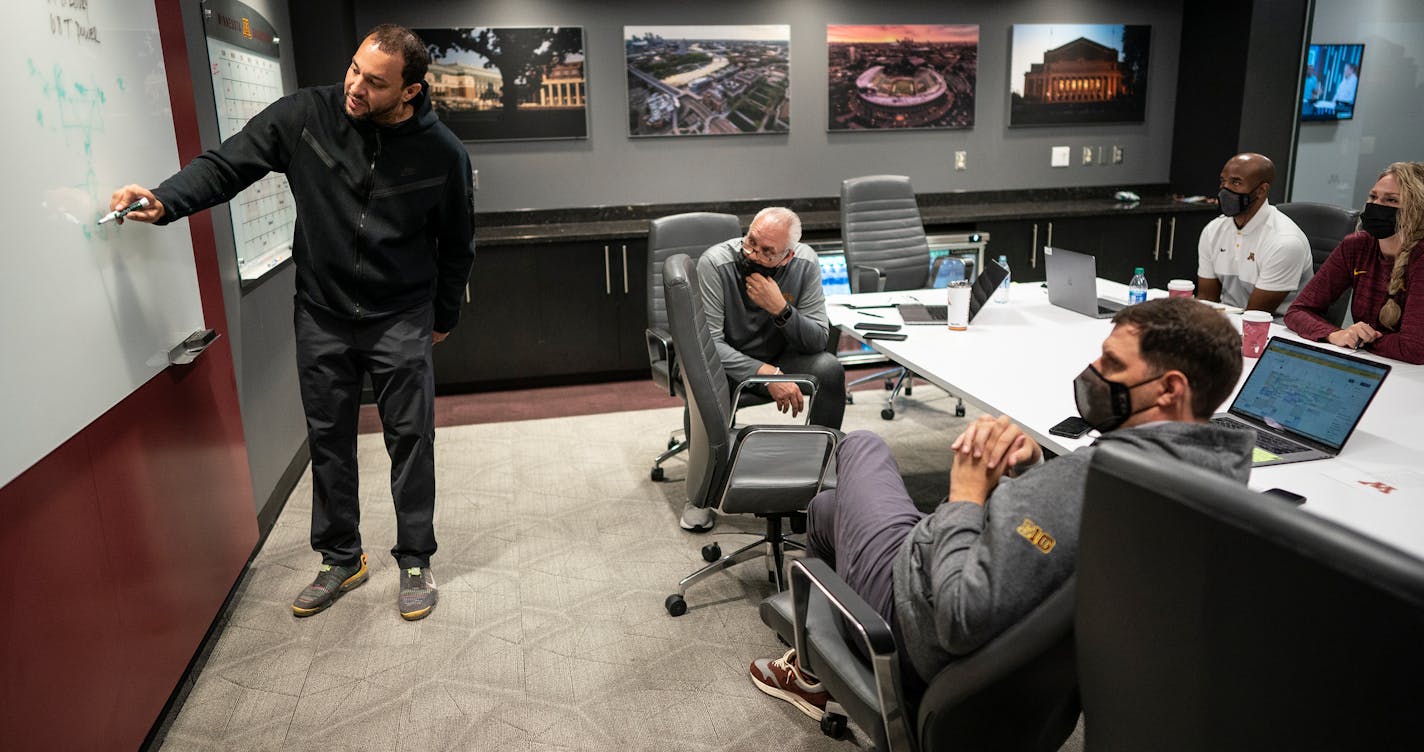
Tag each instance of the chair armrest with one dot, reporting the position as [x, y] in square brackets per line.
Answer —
[660, 347]
[879, 277]
[808, 383]
[869, 629]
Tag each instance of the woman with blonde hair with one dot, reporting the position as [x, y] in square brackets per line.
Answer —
[1388, 307]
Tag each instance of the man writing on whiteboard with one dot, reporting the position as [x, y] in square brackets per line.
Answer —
[383, 246]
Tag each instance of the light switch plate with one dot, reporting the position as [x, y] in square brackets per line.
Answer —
[1061, 157]
[961, 160]
[1087, 155]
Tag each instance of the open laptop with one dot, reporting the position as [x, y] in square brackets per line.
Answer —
[984, 287]
[1073, 283]
[1304, 401]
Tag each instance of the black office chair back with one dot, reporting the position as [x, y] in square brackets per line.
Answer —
[1213, 617]
[881, 227]
[1324, 225]
[709, 398]
[690, 233]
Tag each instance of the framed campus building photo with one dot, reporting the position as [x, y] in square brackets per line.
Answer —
[708, 80]
[1072, 74]
[885, 77]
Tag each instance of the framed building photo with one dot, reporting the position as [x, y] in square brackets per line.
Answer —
[1072, 74]
[708, 80]
[508, 84]
[885, 77]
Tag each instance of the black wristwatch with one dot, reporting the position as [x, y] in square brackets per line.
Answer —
[780, 319]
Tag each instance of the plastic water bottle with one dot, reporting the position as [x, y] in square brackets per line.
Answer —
[1137, 288]
[1001, 295]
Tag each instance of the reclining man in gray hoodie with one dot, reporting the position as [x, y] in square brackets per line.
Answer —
[1007, 535]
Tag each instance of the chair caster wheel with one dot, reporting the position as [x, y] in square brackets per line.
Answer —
[833, 725]
[656, 474]
[909, 390]
[889, 384]
[672, 443]
[676, 605]
[888, 413]
[711, 552]
[850, 398]
[959, 410]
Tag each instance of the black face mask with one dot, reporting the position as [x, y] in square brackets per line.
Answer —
[747, 267]
[1103, 403]
[1233, 203]
[1380, 220]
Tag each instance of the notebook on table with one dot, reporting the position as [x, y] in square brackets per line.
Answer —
[1073, 283]
[984, 287]
[1304, 401]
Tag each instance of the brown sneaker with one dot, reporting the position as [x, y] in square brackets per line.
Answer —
[781, 678]
[331, 581]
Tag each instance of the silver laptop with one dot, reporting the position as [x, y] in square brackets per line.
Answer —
[1304, 401]
[984, 287]
[1073, 283]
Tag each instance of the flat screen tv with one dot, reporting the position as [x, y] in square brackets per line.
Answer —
[1331, 81]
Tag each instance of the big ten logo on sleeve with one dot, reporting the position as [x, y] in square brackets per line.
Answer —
[1036, 535]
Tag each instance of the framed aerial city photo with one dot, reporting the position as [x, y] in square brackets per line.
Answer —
[886, 77]
[708, 80]
[508, 83]
[1072, 74]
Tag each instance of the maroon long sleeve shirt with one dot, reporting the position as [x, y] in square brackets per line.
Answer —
[1358, 264]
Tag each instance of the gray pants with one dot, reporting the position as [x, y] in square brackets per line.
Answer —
[859, 526]
[828, 408]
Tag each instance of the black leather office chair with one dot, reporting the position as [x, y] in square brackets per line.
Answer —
[690, 233]
[1213, 617]
[768, 471]
[1018, 691]
[1324, 225]
[885, 249]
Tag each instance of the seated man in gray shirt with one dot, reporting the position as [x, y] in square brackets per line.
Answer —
[949, 581]
[767, 314]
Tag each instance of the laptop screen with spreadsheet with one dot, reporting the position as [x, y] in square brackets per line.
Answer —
[1309, 391]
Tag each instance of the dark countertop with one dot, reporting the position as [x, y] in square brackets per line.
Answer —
[820, 216]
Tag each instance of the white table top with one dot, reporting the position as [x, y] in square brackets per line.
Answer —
[1020, 359]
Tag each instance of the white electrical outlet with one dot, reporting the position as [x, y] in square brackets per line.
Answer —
[1061, 157]
[1116, 154]
[475, 179]
[961, 160]
[1087, 155]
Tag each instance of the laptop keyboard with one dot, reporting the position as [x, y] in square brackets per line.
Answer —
[1269, 442]
[937, 312]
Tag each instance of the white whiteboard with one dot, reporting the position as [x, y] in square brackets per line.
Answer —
[89, 313]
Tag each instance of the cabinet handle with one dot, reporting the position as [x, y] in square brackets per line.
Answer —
[625, 269]
[1050, 235]
[1157, 241]
[467, 292]
[607, 274]
[1172, 239]
[1033, 249]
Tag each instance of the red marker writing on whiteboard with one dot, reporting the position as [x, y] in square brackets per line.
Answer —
[121, 213]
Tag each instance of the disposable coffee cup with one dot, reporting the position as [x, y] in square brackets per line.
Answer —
[958, 305]
[1255, 330]
[1181, 288]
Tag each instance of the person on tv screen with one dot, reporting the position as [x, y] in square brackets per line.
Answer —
[1388, 303]
[1312, 90]
[1345, 92]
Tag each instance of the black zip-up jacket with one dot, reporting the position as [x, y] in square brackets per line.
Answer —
[385, 215]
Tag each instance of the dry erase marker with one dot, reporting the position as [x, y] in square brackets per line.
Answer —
[120, 214]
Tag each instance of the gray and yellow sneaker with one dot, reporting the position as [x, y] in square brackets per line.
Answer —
[417, 593]
[331, 581]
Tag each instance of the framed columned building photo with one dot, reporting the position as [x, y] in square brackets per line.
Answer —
[1064, 74]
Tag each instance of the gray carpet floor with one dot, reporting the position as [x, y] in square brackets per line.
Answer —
[556, 552]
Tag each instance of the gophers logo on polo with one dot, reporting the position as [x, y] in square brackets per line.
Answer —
[1036, 535]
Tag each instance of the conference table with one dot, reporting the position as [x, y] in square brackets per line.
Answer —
[1020, 358]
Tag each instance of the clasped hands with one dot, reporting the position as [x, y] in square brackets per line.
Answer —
[987, 450]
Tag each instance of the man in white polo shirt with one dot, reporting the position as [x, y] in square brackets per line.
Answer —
[1253, 256]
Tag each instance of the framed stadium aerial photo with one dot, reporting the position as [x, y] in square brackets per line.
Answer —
[1073, 74]
[508, 84]
[889, 77]
[708, 80]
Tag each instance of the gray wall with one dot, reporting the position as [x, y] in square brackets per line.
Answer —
[259, 321]
[1337, 163]
[611, 169]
